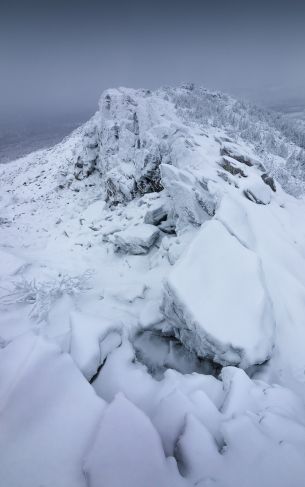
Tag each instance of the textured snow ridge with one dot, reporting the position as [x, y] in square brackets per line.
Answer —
[56, 431]
[215, 297]
[152, 299]
[221, 429]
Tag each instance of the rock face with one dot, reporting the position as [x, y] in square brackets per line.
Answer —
[87, 158]
[124, 145]
[215, 300]
[137, 239]
[269, 181]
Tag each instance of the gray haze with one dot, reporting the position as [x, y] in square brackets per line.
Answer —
[58, 56]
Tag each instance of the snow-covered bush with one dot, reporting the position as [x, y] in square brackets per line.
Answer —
[42, 294]
[271, 133]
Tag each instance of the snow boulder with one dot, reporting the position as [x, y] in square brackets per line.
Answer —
[258, 192]
[157, 213]
[234, 152]
[215, 300]
[137, 239]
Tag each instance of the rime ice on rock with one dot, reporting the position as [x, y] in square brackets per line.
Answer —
[137, 239]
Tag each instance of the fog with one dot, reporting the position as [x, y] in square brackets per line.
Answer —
[57, 57]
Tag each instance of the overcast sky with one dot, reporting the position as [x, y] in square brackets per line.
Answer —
[58, 56]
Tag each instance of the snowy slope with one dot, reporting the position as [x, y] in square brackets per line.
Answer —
[152, 299]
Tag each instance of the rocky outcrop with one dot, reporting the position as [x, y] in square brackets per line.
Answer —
[231, 167]
[269, 181]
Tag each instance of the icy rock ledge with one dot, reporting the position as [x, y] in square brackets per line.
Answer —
[137, 239]
[215, 299]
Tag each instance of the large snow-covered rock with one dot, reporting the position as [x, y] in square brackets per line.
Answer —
[136, 239]
[216, 300]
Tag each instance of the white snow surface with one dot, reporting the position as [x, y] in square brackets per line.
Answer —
[216, 298]
[152, 302]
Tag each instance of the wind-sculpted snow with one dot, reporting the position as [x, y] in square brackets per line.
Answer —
[146, 261]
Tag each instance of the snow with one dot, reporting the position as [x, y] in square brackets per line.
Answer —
[9, 263]
[152, 299]
[217, 429]
[215, 298]
[127, 439]
[48, 416]
[258, 192]
[91, 340]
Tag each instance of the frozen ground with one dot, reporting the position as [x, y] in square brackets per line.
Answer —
[153, 300]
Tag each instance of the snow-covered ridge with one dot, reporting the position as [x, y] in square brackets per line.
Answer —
[156, 253]
[135, 130]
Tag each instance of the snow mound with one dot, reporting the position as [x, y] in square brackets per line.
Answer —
[258, 192]
[9, 264]
[192, 201]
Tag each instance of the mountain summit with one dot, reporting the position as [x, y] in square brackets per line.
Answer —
[153, 298]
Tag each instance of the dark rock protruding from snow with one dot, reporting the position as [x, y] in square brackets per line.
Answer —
[269, 181]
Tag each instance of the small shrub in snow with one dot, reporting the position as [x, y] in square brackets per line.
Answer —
[42, 294]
